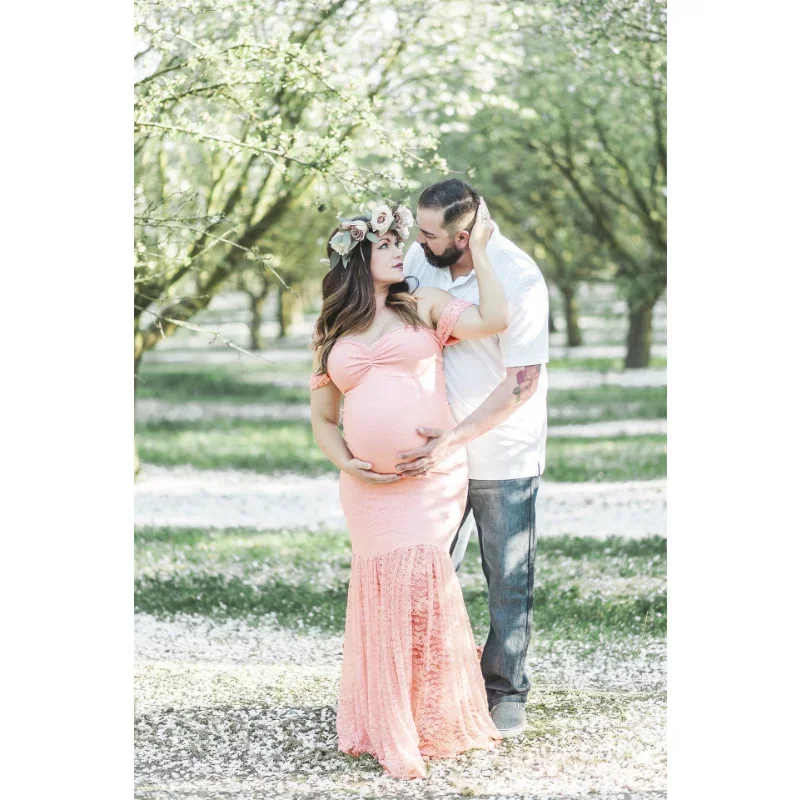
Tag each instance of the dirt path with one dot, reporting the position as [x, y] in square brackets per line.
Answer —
[184, 496]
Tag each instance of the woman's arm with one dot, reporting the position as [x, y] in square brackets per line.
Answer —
[491, 315]
[325, 404]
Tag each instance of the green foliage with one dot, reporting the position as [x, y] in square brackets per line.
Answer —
[570, 142]
[256, 122]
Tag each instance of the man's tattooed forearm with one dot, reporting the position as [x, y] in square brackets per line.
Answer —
[527, 378]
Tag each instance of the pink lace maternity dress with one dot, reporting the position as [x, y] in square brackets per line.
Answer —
[411, 681]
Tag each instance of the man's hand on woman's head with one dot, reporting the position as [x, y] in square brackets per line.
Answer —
[482, 227]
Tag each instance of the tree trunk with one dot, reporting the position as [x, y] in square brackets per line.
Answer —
[287, 310]
[574, 337]
[138, 352]
[551, 323]
[640, 336]
[256, 318]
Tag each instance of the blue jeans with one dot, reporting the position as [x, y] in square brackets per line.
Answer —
[504, 513]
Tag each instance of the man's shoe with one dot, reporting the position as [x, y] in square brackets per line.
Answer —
[509, 718]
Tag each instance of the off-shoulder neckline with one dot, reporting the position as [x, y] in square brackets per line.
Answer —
[382, 336]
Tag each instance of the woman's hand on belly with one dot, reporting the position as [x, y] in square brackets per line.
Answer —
[362, 470]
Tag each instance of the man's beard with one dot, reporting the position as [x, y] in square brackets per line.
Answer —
[446, 259]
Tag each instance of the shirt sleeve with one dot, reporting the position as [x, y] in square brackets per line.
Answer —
[318, 381]
[444, 328]
[525, 341]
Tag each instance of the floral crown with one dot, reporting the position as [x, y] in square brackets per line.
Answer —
[352, 232]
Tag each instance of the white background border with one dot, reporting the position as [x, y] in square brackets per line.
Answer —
[734, 481]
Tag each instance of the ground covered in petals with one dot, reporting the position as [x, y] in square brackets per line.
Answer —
[238, 648]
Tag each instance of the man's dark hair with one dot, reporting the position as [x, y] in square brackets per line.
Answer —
[454, 198]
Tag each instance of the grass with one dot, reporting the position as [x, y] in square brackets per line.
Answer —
[549, 707]
[606, 404]
[198, 544]
[235, 385]
[225, 596]
[583, 586]
[619, 458]
[599, 364]
[558, 611]
[299, 546]
[563, 612]
[276, 446]
[181, 384]
[263, 446]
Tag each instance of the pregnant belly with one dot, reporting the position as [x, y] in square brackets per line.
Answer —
[376, 431]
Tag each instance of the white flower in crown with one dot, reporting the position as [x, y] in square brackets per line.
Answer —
[338, 243]
[403, 219]
[382, 219]
[401, 231]
[358, 229]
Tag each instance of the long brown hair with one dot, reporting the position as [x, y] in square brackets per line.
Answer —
[348, 300]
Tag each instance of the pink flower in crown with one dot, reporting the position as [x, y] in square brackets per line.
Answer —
[358, 229]
[403, 219]
[401, 231]
[382, 218]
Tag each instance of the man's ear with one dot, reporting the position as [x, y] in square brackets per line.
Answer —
[462, 240]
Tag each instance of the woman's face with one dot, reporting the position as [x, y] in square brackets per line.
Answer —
[386, 263]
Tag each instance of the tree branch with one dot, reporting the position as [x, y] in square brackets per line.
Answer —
[172, 321]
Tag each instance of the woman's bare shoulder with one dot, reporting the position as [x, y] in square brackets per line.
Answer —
[431, 302]
[431, 294]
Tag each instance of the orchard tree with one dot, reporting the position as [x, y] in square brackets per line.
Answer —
[596, 83]
[248, 118]
[255, 284]
[529, 201]
[566, 134]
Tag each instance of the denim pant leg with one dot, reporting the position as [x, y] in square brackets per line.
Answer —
[505, 515]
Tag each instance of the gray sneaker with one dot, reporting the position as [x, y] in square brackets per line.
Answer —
[509, 718]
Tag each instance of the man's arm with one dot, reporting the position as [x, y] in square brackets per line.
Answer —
[524, 342]
[519, 386]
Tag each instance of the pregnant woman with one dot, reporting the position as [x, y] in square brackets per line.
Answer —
[411, 684]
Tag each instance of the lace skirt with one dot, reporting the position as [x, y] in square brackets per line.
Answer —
[411, 682]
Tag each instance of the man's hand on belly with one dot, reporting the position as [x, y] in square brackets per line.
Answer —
[519, 386]
[441, 445]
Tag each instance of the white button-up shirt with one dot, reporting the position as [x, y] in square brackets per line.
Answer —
[516, 447]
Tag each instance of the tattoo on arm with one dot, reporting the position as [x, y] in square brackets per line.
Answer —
[527, 378]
